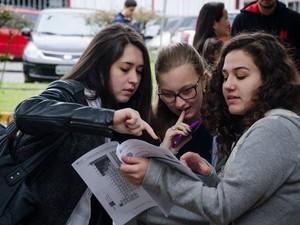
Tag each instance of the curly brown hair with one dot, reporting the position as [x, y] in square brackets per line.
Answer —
[278, 89]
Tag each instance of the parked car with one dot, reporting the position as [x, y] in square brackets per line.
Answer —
[174, 25]
[57, 41]
[12, 42]
[155, 26]
[186, 34]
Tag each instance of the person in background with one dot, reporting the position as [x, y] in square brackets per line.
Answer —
[108, 91]
[253, 106]
[212, 22]
[126, 16]
[273, 17]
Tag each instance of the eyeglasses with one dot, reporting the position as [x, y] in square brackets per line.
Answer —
[185, 94]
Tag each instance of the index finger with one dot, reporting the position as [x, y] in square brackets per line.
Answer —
[150, 131]
[181, 117]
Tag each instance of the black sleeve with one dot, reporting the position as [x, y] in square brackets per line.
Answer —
[57, 109]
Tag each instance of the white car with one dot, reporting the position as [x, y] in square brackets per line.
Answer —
[57, 41]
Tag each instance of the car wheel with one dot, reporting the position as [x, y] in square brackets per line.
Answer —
[28, 79]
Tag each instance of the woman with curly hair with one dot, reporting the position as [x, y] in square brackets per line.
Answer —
[254, 109]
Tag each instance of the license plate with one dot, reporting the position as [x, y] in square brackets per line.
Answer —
[62, 70]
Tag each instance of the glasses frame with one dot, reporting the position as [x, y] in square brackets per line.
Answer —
[178, 94]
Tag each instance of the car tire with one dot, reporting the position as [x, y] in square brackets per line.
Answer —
[28, 79]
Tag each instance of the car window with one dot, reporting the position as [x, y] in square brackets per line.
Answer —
[188, 22]
[67, 24]
[31, 18]
[170, 22]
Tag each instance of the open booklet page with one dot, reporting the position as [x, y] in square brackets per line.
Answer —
[99, 169]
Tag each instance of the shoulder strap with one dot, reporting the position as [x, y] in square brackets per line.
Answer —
[26, 167]
[7, 138]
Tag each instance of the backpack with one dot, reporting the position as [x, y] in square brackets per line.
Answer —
[17, 200]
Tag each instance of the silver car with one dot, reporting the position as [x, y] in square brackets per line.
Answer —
[57, 41]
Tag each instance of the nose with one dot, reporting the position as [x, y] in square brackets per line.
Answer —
[134, 77]
[229, 83]
[179, 103]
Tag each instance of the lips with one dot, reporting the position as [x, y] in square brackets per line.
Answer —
[232, 99]
[129, 91]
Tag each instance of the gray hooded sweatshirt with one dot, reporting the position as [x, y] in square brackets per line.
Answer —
[260, 184]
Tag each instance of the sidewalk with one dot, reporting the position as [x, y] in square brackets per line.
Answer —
[11, 66]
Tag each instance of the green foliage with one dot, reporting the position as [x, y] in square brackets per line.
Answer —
[103, 18]
[143, 16]
[12, 20]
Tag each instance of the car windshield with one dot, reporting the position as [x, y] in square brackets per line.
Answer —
[67, 24]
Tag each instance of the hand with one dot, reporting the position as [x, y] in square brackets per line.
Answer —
[134, 169]
[196, 163]
[179, 128]
[128, 121]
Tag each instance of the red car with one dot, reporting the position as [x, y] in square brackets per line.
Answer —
[12, 42]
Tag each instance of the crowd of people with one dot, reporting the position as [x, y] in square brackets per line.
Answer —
[234, 97]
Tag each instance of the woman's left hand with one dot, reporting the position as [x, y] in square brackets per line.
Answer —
[134, 169]
[196, 163]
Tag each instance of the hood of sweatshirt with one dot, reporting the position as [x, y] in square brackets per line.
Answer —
[289, 115]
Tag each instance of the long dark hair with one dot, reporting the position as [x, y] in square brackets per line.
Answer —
[278, 89]
[93, 67]
[169, 58]
[209, 14]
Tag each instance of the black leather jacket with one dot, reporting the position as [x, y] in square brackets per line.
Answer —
[60, 118]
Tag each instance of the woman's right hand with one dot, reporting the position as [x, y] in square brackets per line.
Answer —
[128, 121]
[179, 128]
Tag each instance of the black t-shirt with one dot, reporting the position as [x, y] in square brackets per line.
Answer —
[200, 143]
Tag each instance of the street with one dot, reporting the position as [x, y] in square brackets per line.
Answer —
[11, 72]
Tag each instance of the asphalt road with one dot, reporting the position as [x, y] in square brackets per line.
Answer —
[11, 72]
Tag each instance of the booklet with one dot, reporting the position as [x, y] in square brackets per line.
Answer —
[99, 168]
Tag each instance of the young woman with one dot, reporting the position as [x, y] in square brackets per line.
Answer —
[254, 108]
[181, 80]
[76, 114]
[212, 22]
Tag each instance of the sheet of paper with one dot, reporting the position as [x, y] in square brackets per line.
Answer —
[138, 148]
[99, 168]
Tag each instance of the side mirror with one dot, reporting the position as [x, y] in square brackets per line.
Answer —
[26, 32]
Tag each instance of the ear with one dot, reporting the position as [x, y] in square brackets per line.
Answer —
[214, 26]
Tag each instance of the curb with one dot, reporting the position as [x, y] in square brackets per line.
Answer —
[6, 117]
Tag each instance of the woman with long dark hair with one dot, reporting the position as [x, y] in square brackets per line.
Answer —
[212, 22]
[107, 92]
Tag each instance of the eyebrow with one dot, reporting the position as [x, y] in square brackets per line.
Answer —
[131, 64]
[237, 68]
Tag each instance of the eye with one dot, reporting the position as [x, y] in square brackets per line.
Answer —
[241, 76]
[167, 94]
[187, 91]
[125, 70]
